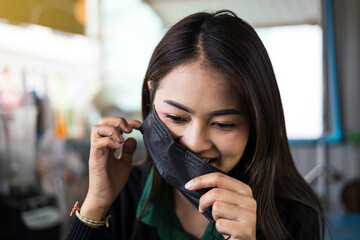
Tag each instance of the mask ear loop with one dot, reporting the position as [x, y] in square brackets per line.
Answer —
[212, 233]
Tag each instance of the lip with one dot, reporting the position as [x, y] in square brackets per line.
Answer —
[209, 160]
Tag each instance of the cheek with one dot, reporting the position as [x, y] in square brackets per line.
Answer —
[175, 131]
[232, 145]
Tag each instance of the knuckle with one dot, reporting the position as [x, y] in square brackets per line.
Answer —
[253, 204]
[219, 224]
[218, 177]
[216, 207]
[215, 192]
[111, 132]
[108, 140]
[249, 190]
[121, 121]
[215, 213]
[94, 143]
[101, 120]
[245, 229]
[94, 128]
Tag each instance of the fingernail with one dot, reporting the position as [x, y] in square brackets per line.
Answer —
[200, 210]
[118, 144]
[189, 184]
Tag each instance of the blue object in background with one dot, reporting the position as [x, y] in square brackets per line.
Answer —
[344, 226]
[336, 134]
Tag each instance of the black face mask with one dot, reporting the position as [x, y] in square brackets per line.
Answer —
[176, 164]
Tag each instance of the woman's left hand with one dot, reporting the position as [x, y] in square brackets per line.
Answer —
[233, 204]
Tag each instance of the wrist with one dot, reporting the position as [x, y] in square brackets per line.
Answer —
[92, 211]
[93, 223]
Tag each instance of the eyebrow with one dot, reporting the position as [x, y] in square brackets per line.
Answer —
[214, 113]
[179, 106]
[225, 112]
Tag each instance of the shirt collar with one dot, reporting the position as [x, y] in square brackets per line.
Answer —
[160, 214]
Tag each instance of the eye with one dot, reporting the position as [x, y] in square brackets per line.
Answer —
[175, 119]
[223, 126]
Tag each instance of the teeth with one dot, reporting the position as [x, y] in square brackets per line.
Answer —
[207, 160]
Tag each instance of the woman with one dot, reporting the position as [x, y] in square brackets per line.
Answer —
[211, 84]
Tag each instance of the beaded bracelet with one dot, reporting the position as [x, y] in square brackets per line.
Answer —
[87, 221]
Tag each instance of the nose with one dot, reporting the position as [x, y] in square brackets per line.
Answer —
[196, 138]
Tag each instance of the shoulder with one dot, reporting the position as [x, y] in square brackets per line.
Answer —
[301, 221]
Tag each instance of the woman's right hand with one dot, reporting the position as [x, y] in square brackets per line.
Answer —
[108, 174]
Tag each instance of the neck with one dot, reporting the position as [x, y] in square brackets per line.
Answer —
[192, 221]
[181, 203]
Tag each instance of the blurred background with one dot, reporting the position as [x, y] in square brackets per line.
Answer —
[66, 63]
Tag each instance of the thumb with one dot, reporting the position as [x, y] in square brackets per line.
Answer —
[128, 150]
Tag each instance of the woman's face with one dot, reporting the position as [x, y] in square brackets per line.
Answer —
[204, 113]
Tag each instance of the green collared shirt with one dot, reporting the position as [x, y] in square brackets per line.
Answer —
[160, 214]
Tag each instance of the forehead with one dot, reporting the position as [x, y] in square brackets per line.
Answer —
[198, 86]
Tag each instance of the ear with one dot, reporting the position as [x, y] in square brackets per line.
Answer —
[149, 85]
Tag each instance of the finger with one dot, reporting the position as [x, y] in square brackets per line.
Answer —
[127, 151]
[119, 122]
[219, 180]
[103, 143]
[99, 131]
[225, 210]
[239, 230]
[131, 124]
[230, 197]
[134, 124]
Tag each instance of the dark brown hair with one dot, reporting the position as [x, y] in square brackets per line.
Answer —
[227, 44]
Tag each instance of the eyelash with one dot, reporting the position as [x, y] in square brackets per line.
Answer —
[180, 120]
[223, 125]
[176, 119]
